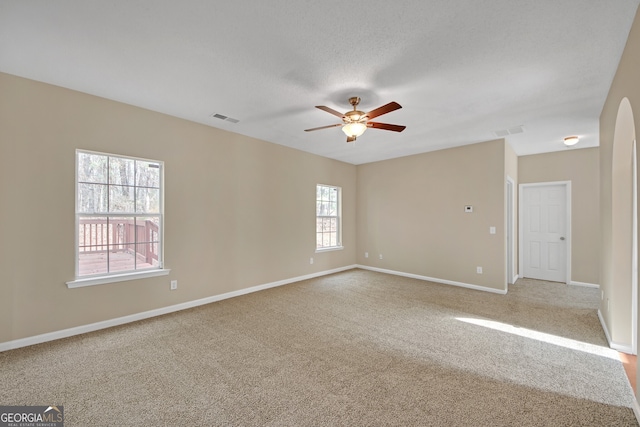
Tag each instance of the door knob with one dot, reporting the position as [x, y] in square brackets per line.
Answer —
[562, 238]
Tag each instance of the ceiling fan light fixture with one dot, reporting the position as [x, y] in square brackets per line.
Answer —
[571, 140]
[354, 129]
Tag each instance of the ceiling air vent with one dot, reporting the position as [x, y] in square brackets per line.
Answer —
[225, 118]
[511, 131]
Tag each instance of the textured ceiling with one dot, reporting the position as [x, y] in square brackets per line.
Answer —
[462, 70]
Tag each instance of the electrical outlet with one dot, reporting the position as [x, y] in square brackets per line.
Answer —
[601, 295]
[366, 254]
[380, 256]
[174, 285]
[479, 270]
[311, 260]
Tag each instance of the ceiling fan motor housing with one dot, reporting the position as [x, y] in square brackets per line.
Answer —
[355, 115]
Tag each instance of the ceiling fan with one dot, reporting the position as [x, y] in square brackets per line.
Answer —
[355, 122]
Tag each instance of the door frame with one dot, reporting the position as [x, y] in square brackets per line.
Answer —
[521, 224]
[634, 251]
[512, 276]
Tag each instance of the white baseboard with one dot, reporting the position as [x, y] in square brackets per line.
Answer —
[623, 348]
[433, 279]
[65, 333]
[604, 327]
[585, 285]
[515, 279]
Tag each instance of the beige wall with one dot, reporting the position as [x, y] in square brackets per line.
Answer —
[411, 210]
[617, 313]
[239, 211]
[580, 166]
[510, 163]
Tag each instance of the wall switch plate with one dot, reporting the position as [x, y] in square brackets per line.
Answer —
[311, 260]
[468, 208]
[492, 230]
[479, 270]
[380, 256]
[366, 254]
[174, 285]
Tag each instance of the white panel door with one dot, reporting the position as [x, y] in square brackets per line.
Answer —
[545, 232]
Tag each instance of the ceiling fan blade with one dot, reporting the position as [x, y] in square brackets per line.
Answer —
[351, 138]
[392, 106]
[330, 111]
[325, 127]
[386, 126]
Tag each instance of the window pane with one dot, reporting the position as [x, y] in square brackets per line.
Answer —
[93, 235]
[121, 198]
[326, 208]
[147, 174]
[326, 240]
[92, 168]
[147, 229]
[92, 198]
[121, 259]
[148, 200]
[325, 193]
[121, 243]
[92, 263]
[122, 233]
[318, 240]
[147, 255]
[333, 195]
[121, 171]
[333, 209]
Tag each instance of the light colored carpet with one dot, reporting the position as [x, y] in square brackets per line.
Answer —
[352, 349]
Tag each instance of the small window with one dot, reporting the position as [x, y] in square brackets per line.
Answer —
[119, 214]
[328, 217]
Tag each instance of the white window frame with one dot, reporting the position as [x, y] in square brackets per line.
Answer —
[338, 216]
[122, 275]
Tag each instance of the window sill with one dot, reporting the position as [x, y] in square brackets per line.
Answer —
[333, 248]
[101, 280]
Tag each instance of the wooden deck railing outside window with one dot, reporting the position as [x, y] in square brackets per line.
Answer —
[119, 235]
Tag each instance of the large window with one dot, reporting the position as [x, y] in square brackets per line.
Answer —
[328, 213]
[118, 214]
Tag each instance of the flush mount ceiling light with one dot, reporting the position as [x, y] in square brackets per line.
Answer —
[571, 140]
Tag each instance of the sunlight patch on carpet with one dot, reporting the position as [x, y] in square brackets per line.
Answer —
[544, 337]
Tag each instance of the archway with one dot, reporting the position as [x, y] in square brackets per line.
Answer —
[624, 266]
